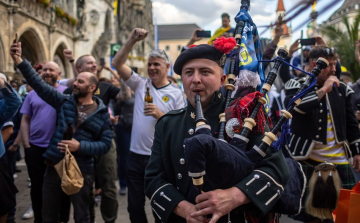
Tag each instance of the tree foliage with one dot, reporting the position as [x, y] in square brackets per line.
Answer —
[344, 43]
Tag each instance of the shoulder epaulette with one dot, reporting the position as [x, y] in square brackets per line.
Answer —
[292, 84]
[348, 90]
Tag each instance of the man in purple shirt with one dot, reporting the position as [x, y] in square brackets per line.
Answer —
[37, 126]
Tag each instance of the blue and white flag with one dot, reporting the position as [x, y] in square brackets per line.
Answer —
[250, 70]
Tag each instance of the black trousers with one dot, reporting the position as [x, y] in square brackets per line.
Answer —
[36, 170]
[135, 183]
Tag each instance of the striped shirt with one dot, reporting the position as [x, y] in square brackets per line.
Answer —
[330, 152]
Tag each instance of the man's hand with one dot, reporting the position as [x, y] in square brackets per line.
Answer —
[114, 119]
[356, 163]
[194, 38]
[185, 208]
[279, 31]
[138, 34]
[219, 202]
[68, 54]
[320, 41]
[293, 48]
[152, 110]
[15, 52]
[107, 67]
[26, 145]
[330, 83]
[13, 147]
[73, 145]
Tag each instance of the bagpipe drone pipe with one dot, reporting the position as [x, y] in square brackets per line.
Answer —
[219, 164]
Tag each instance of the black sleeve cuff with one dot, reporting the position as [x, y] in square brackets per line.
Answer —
[262, 190]
[164, 201]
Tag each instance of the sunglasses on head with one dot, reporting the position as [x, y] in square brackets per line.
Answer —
[162, 52]
[329, 51]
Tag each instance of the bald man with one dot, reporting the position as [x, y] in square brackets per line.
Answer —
[36, 136]
[90, 121]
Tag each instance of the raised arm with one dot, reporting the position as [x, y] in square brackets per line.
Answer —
[120, 58]
[70, 56]
[47, 93]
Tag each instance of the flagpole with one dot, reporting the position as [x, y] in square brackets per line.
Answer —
[156, 36]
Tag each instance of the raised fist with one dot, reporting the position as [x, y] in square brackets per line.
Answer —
[138, 34]
[68, 54]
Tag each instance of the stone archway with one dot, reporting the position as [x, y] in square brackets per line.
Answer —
[32, 48]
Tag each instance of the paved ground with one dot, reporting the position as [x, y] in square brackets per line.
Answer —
[23, 202]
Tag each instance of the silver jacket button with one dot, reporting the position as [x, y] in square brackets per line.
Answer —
[319, 128]
[182, 161]
[191, 131]
[317, 136]
[320, 120]
[179, 176]
[320, 104]
[321, 111]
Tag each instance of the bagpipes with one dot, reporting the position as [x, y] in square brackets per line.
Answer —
[225, 164]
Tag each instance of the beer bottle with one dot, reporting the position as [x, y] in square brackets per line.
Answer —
[148, 97]
[68, 134]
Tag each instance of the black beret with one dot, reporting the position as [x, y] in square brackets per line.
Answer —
[202, 51]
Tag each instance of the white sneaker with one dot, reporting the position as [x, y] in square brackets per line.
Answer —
[29, 213]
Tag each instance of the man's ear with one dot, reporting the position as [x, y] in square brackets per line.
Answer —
[223, 78]
[92, 88]
[167, 66]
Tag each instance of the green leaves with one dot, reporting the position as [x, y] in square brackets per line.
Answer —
[344, 42]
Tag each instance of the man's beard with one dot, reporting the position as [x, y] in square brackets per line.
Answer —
[80, 93]
[50, 82]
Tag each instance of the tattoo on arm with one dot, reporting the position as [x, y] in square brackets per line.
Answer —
[320, 94]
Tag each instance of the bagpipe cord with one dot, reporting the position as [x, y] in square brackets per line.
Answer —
[285, 129]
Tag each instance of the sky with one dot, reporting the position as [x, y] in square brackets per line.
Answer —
[206, 13]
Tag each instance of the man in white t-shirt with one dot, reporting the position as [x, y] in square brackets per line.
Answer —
[166, 97]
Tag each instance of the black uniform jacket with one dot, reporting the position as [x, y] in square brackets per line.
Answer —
[166, 176]
[309, 122]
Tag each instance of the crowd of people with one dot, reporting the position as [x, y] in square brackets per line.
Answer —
[118, 135]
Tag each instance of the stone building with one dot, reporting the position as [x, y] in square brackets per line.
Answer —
[47, 27]
[131, 14]
[285, 40]
[172, 37]
[350, 9]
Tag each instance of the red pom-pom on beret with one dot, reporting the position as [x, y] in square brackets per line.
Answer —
[224, 45]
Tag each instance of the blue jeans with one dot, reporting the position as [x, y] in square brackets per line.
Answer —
[53, 198]
[122, 140]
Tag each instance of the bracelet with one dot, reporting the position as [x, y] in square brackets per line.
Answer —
[71, 61]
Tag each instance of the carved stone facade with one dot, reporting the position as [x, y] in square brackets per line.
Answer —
[132, 14]
[44, 34]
